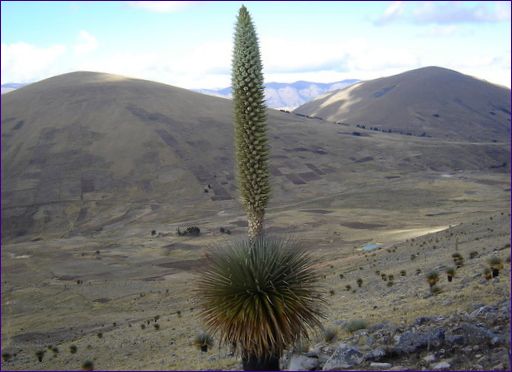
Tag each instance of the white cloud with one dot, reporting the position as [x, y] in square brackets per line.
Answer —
[86, 43]
[445, 12]
[161, 6]
[23, 62]
[394, 11]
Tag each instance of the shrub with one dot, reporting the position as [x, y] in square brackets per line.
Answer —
[73, 349]
[189, 231]
[450, 273]
[100, 335]
[359, 282]
[330, 334]
[348, 287]
[341, 276]
[157, 327]
[432, 278]
[203, 341]
[40, 355]
[6, 356]
[473, 254]
[403, 273]
[384, 277]
[142, 326]
[355, 325]
[272, 298]
[331, 292]
[88, 365]
[391, 277]
[390, 283]
[487, 273]
[458, 260]
[496, 264]
[418, 271]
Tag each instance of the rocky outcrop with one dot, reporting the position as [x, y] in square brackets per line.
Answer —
[473, 340]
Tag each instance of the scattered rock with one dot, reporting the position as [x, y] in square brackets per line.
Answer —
[302, 363]
[375, 354]
[345, 356]
[441, 365]
[430, 358]
[410, 342]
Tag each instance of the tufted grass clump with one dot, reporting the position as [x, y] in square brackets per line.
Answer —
[73, 349]
[450, 273]
[359, 282]
[403, 273]
[88, 365]
[203, 341]
[473, 254]
[458, 260]
[432, 278]
[355, 325]
[272, 297]
[40, 355]
[487, 273]
[496, 264]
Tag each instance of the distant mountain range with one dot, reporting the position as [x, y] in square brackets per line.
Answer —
[83, 151]
[288, 95]
[6, 88]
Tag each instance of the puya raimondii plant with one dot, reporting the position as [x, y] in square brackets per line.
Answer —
[251, 145]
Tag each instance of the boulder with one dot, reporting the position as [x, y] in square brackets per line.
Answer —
[302, 363]
[410, 342]
[345, 356]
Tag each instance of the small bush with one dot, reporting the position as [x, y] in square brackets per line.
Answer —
[450, 273]
[355, 325]
[203, 341]
[496, 264]
[178, 313]
[189, 231]
[348, 287]
[359, 282]
[6, 356]
[377, 272]
[73, 349]
[40, 355]
[330, 334]
[331, 292]
[384, 277]
[341, 276]
[88, 365]
[432, 278]
[458, 260]
[100, 335]
[142, 326]
[403, 273]
[390, 283]
[418, 271]
[391, 277]
[157, 327]
[473, 254]
[487, 273]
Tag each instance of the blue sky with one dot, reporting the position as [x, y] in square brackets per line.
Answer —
[188, 43]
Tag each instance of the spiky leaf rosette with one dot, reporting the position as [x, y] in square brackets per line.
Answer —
[250, 116]
[261, 295]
